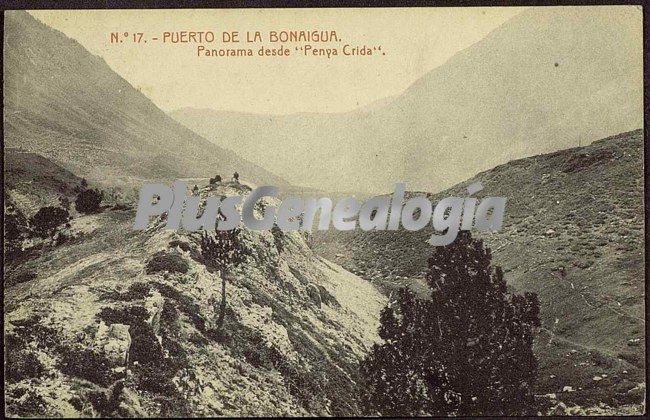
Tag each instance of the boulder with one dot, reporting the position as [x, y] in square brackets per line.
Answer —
[154, 305]
[115, 342]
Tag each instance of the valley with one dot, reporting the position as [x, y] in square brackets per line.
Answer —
[104, 320]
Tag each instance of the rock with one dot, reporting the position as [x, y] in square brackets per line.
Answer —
[130, 405]
[115, 341]
[559, 409]
[597, 378]
[575, 410]
[211, 399]
[552, 376]
[568, 389]
[154, 305]
[633, 342]
[552, 396]
[550, 232]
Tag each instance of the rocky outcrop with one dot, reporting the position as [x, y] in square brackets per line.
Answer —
[116, 340]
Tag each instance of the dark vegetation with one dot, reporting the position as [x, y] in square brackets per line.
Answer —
[87, 364]
[163, 261]
[468, 350]
[47, 219]
[89, 201]
[223, 252]
[21, 363]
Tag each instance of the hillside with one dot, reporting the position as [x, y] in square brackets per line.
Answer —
[550, 78]
[573, 233]
[32, 181]
[67, 105]
[121, 322]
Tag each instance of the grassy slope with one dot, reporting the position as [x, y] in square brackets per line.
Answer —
[573, 233]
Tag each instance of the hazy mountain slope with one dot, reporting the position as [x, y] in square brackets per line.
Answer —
[68, 105]
[548, 78]
[573, 233]
[32, 181]
[86, 329]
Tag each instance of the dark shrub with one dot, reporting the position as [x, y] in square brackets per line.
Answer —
[106, 402]
[21, 276]
[47, 219]
[15, 229]
[25, 403]
[278, 238]
[165, 261]
[86, 364]
[88, 201]
[22, 364]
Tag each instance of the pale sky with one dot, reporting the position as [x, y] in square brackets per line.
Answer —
[415, 41]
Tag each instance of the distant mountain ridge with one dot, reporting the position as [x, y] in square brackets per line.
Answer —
[549, 78]
[68, 105]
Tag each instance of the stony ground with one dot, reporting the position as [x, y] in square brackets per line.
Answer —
[95, 328]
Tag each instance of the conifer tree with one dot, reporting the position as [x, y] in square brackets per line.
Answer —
[465, 351]
[222, 252]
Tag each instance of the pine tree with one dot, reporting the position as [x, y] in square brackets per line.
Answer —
[222, 253]
[465, 351]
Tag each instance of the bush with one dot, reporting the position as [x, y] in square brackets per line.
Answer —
[86, 364]
[22, 364]
[278, 238]
[466, 351]
[164, 261]
[45, 222]
[20, 276]
[15, 229]
[88, 201]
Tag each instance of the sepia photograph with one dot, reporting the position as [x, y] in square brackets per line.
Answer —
[300, 212]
